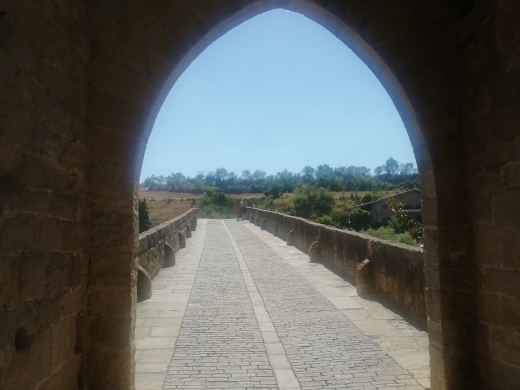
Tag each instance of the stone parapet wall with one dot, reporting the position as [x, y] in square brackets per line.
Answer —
[398, 269]
[155, 243]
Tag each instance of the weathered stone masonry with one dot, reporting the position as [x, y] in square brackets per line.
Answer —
[158, 245]
[398, 269]
[81, 83]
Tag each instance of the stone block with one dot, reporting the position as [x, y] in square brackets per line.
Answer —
[501, 281]
[510, 173]
[510, 314]
[505, 345]
[63, 341]
[505, 207]
[511, 246]
[66, 377]
[489, 308]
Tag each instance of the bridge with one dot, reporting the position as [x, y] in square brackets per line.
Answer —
[242, 309]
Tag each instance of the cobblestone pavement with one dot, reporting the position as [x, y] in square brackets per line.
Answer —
[242, 310]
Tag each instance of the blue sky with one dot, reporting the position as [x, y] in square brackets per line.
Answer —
[278, 91]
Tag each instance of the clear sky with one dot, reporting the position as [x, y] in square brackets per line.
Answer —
[279, 91]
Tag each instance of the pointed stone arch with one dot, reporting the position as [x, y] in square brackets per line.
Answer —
[420, 71]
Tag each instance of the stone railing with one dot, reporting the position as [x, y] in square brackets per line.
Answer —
[394, 272]
[157, 247]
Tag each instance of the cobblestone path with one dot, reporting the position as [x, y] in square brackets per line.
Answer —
[239, 311]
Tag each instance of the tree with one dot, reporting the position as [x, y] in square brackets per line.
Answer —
[310, 201]
[379, 170]
[285, 178]
[406, 169]
[144, 216]
[259, 176]
[400, 221]
[391, 166]
[220, 176]
[231, 177]
[246, 175]
[308, 174]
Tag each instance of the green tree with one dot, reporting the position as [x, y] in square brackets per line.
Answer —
[144, 216]
[308, 174]
[391, 166]
[401, 223]
[406, 169]
[246, 175]
[309, 201]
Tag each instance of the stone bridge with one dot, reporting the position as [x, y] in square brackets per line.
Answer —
[157, 247]
[244, 309]
[81, 83]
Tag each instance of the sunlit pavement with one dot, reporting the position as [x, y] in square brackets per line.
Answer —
[243, 310]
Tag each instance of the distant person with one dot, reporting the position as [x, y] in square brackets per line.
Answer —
[243, 206]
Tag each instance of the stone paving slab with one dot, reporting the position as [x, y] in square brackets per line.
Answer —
[407, 345]
[243, 310]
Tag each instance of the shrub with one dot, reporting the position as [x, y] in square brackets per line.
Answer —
[328, 220]
[400, 222]
[389, 234]
[274, 191]
[216, 204]
[359, 219]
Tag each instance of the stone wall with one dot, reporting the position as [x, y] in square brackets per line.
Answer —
[44, 248]
[155, 244]
[398, 269]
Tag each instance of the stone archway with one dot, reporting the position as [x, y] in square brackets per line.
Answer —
[80, 80]
[123, 85]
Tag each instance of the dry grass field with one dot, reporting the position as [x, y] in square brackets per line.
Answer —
[164, 205]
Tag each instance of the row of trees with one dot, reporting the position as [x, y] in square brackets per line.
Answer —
[388, 176]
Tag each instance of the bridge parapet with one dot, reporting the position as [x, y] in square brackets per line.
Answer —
[157, 244]
[398, 268]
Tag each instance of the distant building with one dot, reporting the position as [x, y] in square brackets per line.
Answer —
[382, 213]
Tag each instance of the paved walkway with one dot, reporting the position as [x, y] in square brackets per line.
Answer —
[243, 310]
